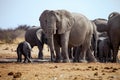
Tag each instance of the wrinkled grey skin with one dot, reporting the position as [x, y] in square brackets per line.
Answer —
[65, 29]
[101, 24]
[24, 49]
[94, 39]
[104, 50]
[93, 47]
[36, 37]
[114, 33]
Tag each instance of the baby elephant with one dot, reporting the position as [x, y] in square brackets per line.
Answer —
[104, 50]
[24, 49]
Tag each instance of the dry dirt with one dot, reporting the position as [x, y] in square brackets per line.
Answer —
[44, 70]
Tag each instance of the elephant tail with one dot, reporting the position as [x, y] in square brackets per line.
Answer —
[113, 14]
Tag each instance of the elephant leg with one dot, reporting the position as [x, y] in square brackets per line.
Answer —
[64, 43]
[58, 54]
[40, 54]
[29, 60]
[19, 54]
[70, 52]
[76, 54]
[115, 52]
[82, 57]
[30, 53]
[26, 57]
[110, 55]
[83, 52]
[90, 56]
[107, 55]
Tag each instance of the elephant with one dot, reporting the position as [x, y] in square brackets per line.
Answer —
[24, 49]
[114, 33]
[36, 37]
[65, 29]
[101, 24]
[93, 46]
[104, 49]
[94, 40]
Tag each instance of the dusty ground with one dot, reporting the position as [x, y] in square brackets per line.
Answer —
[43, 70]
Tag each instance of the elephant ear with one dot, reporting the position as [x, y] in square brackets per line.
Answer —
[64, 21]
[113, 14]
[38, 34]
[42, 18]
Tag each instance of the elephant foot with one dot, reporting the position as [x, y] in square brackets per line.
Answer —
[19, 62]
[58, 61]
[30, 61]
[66, 61]
[82, 61]
[94, 60]
[115, 61]
[53, 60]
[74, 60]
[27, 61]
[41, 58]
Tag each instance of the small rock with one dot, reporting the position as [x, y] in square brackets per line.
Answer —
[78, 69]
[56, 66]
[111, 67]
[103, 73]
[89, 67]
[10, 73]
[106, 68]
[75, 78]
[36, 75]
[96, 74]
[17, 75]
[96, 69]
[115, 69]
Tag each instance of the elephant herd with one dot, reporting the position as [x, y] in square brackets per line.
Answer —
[72, 36]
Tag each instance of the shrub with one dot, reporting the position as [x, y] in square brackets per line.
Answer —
[9, 35]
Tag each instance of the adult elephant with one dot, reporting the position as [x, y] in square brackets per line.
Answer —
[65, 29]
[36, 37]
[114, 33]
[101, 24]
[93, 47]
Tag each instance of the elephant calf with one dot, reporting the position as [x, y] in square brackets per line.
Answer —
[104, 50]
[24, 49]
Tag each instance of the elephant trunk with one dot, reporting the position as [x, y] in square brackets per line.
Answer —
[51, 45]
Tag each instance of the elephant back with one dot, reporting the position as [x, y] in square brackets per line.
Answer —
[113, 14]
[31, 37]
[101, 24]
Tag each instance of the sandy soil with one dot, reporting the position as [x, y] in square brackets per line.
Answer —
[44, 70]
